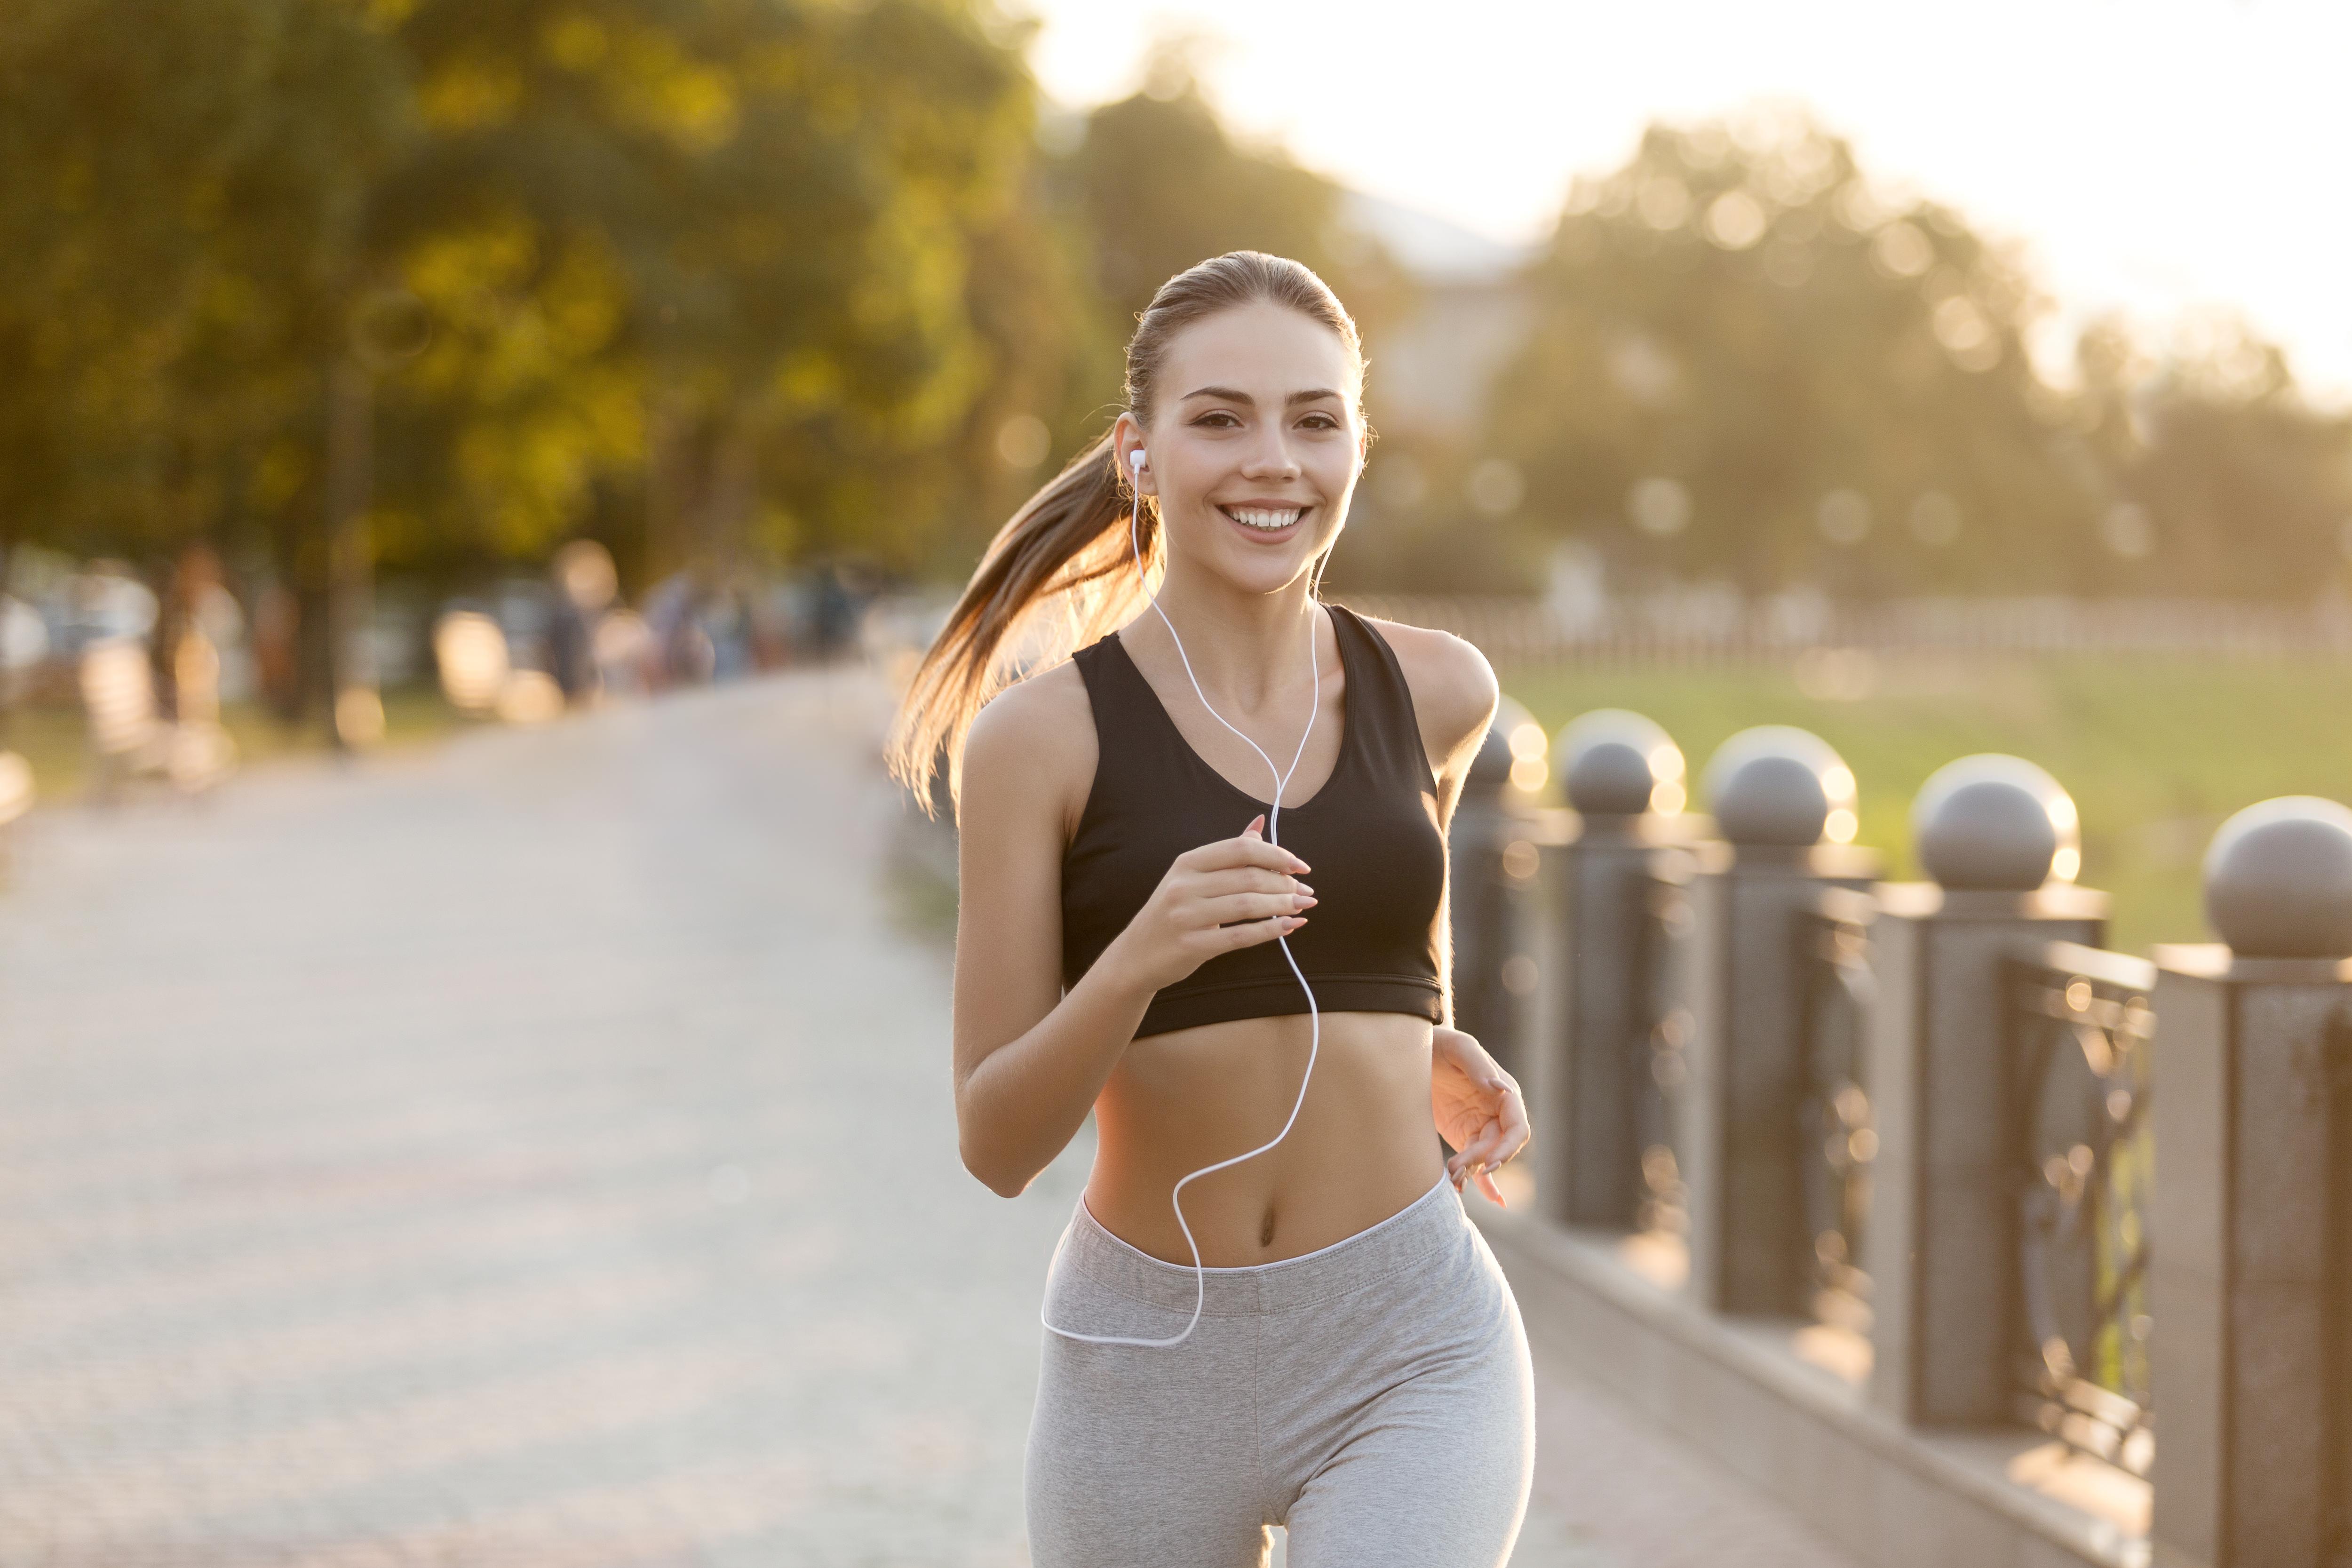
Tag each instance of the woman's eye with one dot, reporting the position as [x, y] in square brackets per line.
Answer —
[1217, 420]
[1320, 422]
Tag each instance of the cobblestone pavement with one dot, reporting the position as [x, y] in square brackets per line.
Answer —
[539, 1153]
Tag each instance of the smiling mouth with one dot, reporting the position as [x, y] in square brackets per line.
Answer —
[1266, 520]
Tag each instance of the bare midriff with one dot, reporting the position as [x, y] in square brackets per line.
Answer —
[1363, 1147]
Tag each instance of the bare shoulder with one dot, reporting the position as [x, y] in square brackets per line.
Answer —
[1034, 739]
[1453, 687]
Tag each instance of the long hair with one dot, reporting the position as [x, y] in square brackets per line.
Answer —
[1061, 573]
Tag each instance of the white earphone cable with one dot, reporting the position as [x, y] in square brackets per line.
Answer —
[1272, 835]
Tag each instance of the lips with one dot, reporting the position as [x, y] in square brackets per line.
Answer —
[1265, 519]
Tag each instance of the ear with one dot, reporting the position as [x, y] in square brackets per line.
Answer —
[1126, 438]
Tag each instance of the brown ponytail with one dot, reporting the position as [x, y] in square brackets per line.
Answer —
[1061, 573]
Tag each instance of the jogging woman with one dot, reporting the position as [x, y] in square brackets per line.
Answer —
[1203, 896]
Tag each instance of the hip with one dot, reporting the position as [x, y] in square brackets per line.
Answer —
[1418, 1280]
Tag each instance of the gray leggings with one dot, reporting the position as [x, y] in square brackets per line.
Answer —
[1375, 1396]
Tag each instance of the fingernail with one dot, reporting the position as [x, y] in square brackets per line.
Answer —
[1304, 902]
[1305, 889]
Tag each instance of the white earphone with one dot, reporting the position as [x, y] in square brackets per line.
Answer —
[1272, 835]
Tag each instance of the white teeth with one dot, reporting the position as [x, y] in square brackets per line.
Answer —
[1255, 517]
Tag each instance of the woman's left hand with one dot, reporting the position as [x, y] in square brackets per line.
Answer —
[1477, 1108]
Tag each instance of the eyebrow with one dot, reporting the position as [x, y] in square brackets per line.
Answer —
[1233, 394]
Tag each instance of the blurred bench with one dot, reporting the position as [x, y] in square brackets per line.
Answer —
[129, 736]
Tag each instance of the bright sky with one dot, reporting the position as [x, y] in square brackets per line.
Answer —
[2155, 155]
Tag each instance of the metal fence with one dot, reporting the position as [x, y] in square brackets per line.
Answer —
[1833, 1115]
[2082, 1028]
[1925, 1115]
[1660, 1039]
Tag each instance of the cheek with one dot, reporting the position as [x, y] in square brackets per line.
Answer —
[1190, 473]
[1338, 480]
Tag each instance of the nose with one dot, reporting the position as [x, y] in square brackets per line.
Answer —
[1269, 456]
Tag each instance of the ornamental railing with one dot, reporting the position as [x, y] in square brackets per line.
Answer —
[2081, 1036]
[1661, 1037]
[1835, 989]
[1904, 1107]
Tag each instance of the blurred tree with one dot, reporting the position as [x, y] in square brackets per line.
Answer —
[180, 232]
[1747, 362]
[1163, 187]
[184, 236]
[746, 277]
[2220, 478]
[731, 246]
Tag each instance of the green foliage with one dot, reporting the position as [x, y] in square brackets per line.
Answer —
[187, 184]
[762, 258]
[1165, 187]
[2223, 479]
[1747, 363]
[1726, 333]
[730, 245]
[729, 278]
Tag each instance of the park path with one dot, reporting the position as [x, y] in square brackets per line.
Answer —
[538, 1154]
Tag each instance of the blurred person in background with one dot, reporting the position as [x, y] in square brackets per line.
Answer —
[277, 649]
[1350, 1362]
[586, 583]
[198, 630]
[683, 655]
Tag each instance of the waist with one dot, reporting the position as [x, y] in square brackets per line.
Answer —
[1426, 1226]
[1362, 1146]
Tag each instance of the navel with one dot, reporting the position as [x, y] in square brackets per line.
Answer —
[1265, 1231]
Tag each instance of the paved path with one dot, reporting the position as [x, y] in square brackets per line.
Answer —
[539, 1153]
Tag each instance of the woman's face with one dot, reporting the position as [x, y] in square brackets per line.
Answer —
[1255, 445]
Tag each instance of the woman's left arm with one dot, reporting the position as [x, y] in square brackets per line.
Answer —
[1476, 1105]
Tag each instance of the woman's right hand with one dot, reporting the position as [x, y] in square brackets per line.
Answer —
[1235, 893]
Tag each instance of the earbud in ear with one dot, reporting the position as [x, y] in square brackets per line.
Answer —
[1135, 460]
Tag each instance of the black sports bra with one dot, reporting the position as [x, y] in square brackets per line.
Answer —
[1370, 833]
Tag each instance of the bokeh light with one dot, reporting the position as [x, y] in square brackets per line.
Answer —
[1660, 507]
[471, 652]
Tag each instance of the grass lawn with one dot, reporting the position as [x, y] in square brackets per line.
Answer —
[2155, 750]
[54, 739]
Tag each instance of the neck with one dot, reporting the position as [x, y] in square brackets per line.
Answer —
[1249, 647]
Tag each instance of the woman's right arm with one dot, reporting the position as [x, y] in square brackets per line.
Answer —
[1029, 1058]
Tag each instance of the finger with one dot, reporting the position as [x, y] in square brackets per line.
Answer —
[1512, 1113]
[1483, 1146]
[1249, 933]
[1473, 1151]
[1255, 906]
[1245, 879]
[1487, 1185]
[1256, 828]
[1247, 850]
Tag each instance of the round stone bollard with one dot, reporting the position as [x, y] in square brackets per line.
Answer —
[2278, 879]
[1998, 824]
[1613, 762]
[1604, 949]
[1494, 867]
[2251, 1122]
[1779, 786]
